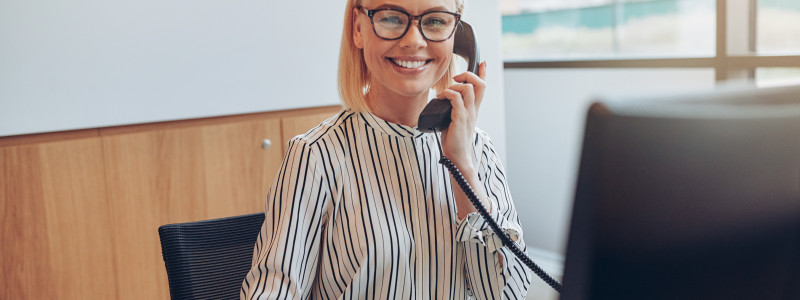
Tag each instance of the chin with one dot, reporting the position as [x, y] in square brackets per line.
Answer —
[413, 92]
[415, 88]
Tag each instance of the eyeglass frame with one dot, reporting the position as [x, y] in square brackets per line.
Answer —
[371, 13]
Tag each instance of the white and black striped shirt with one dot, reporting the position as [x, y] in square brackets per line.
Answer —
[361, 209]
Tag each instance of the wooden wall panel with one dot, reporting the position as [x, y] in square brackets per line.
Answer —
[181, 175]
[78, 221]
[56, 229]
[26, 257]
[80, 210]
[154, 178]
[239, 171]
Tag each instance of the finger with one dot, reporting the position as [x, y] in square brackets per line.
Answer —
[456, 101]
[482, 71]
[467, 92]
[468, 77]
[478, 84]
[479, 91]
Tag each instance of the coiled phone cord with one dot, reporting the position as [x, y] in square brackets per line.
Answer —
[462, 182]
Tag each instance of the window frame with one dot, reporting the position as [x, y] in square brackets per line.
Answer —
[727, 66]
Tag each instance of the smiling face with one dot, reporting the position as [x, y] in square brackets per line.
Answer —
[407, 67]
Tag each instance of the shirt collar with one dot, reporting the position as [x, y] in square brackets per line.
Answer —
[389, 128]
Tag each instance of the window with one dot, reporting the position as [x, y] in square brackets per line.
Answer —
[607, 29]
[778, 27]
[738, 39]
[767, 77]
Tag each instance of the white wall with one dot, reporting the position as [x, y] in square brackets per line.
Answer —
[545, 112]
[93, 63]
[90, 63]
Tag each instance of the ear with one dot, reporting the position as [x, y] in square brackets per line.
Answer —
[357, 33]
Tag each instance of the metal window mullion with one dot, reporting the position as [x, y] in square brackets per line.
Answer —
[654, 63]
[720, 67]
[753, 18]
[736, 21]
[753, 62]
[751, 35]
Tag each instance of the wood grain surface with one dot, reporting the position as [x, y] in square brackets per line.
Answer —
[80, 211]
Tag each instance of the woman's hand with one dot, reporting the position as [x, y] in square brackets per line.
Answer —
[458, 138]
[465, 96]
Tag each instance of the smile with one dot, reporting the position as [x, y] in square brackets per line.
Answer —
[410, 64]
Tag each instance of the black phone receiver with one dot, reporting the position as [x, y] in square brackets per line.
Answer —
[436, 115]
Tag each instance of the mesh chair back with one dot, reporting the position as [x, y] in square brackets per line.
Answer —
[209, 259]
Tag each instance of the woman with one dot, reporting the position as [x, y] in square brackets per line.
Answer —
[361, 208]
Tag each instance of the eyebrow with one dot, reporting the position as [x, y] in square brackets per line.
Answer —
[398, 7]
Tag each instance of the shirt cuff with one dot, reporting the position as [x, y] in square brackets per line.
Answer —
[474, 229]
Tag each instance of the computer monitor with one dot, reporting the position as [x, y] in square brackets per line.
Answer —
[688, 197]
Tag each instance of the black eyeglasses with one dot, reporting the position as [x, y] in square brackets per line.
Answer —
[391, 24]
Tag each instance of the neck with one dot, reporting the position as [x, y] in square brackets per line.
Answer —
[397, 109]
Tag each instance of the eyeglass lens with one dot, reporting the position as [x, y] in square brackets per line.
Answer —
[391, 24]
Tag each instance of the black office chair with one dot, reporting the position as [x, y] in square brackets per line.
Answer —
[209, 259]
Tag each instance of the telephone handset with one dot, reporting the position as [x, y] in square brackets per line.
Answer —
[436, 115]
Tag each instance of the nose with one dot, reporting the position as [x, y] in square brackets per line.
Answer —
[413, 37]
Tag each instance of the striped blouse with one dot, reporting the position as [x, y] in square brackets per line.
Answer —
[361, 209]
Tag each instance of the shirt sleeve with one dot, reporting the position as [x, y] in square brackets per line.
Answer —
[285, 255]
[487, 277]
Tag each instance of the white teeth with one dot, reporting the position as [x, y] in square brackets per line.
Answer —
[413, 64]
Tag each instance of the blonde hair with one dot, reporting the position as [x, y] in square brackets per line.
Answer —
[354, 76]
